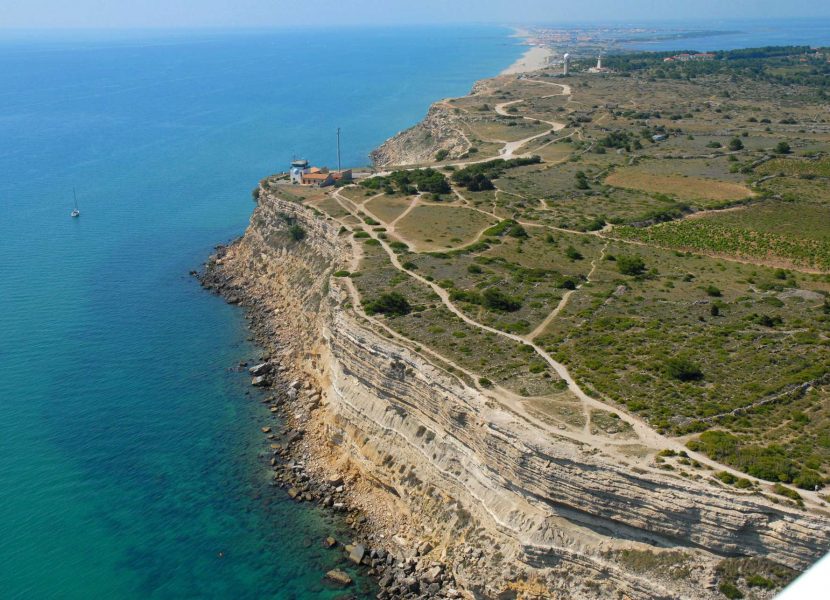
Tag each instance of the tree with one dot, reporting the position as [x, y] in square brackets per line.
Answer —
[782, 148]
[736, 144]
[296, 232]
[714, 311]
[630, 265]
[683, 369]
[391, 304]
[495, 299]
[573, 253]
[582, 181]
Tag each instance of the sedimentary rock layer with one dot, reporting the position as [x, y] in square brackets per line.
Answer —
[478, 474]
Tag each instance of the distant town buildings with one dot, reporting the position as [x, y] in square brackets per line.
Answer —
[301, 173]
[700, 56]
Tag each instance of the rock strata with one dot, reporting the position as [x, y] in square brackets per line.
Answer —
[491, 507]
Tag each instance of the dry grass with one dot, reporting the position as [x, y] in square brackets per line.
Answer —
[388, 208]
[683, 188]
[434, 226]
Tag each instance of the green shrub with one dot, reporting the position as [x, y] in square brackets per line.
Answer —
[736, 144]
[730, 590]
[782, 148]
[361, 234]
[341, 273]
[683, 369]
[484, 382]
[713, 291]
[296, 232]
[573, 253]
[495, 299]
[630, 265]
[441, 155]
[760, 581]
[783, 490]
[391, 304]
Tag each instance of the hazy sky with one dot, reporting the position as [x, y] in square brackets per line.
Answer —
[251, 13]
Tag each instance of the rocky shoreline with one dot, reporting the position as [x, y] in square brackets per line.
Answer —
[400, 571]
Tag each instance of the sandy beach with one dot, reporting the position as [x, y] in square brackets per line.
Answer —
[534, 59]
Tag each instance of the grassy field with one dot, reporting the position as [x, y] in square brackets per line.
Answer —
[388, 208]
[679, 186]
[435, 227]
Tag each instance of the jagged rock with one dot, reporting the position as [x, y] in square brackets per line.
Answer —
[357, 553]
[424, 548]
[339, 577]
[260, 381]
[259, 369]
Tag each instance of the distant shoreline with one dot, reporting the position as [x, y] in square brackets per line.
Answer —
[536, 57]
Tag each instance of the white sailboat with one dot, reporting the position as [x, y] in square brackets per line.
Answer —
[75, 212]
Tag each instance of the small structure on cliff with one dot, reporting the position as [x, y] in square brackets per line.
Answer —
[301, 173]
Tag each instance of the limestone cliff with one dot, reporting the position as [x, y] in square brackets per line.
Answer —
[513, 508]
[440, 130]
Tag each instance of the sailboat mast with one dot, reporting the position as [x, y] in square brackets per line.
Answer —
[75, 196]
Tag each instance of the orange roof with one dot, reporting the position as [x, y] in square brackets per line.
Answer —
[316, 176]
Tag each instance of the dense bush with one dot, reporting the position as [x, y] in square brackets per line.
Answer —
[410, 182]
[391, 304]
[630, 265]
[296, 232]
[474, 176]
[573, 253]
[782, 148]
[492, 298]
[683, 369]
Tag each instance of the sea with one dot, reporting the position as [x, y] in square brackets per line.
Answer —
[131, 459]
[130, 449]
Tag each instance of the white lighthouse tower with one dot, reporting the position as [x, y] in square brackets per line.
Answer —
[566, 63]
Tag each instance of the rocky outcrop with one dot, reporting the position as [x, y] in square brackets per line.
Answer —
[511, 507]
[440, 130]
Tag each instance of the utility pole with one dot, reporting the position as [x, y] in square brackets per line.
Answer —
[339, 167]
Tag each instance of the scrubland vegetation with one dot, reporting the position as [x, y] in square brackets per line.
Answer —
[684, 280]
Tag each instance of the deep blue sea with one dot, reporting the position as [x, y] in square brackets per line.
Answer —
[128, 450]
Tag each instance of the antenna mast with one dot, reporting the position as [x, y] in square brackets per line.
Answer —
[339, 168]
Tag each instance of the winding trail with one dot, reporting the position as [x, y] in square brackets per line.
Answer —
[516, 403]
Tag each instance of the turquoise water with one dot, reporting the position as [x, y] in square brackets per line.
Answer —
[129, 452]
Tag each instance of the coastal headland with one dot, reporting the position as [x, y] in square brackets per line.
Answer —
[504, 359]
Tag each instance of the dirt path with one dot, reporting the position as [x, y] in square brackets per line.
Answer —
[564, 301]
[518, 404]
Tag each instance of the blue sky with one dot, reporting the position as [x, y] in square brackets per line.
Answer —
[36, 14]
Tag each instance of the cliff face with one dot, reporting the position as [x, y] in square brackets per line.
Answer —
[440, 130]
[508, 503]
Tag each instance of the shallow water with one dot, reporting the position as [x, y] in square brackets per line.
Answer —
[128, 450]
